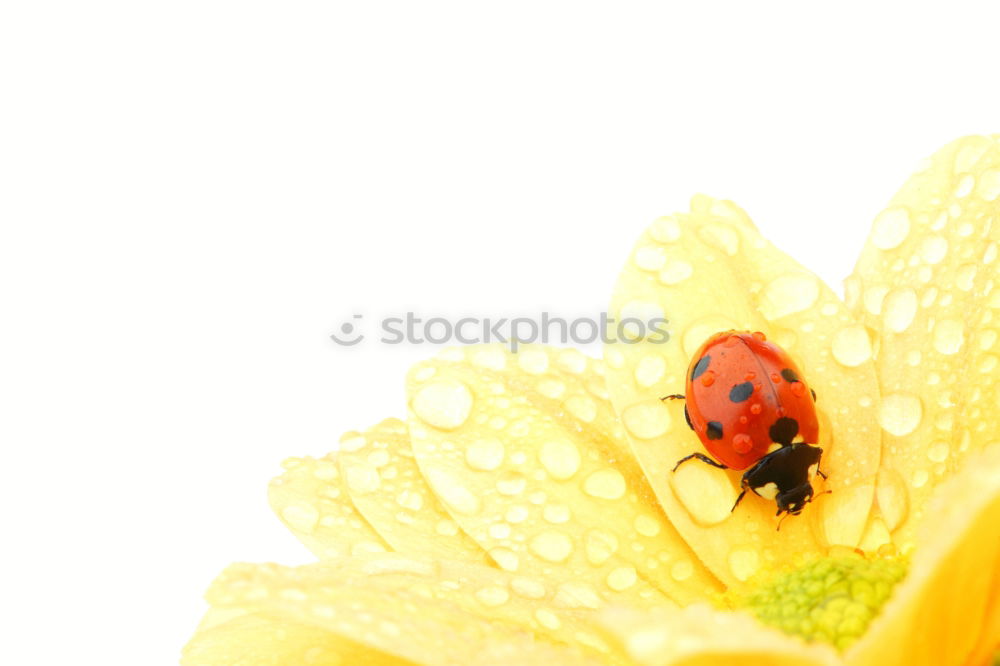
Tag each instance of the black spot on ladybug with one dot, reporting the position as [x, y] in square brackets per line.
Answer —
[687, 417]
[741, 392]
[714, 430]
[813, 391]
[784, 430]
[789, 375]
[700, 367]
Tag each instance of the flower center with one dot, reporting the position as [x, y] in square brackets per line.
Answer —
[830, 600]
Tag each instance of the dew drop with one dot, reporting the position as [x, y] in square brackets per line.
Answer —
[551, 546]
[851, 346]
[933, 249]
[606, 484]
[301, 517]
[649, 370]
[650, 258]
[965, 185]
[492, 595]
[744, 562]
[560, 458]
[362, 478]
[529, 588]
[647, 420]
[547, 619]
[705, 492]
[900, 413]
[505, 558]
[485, 454]
[556, 514]
[352, 442]
[533, 361]
[410, 499]
[681, 570]
[949, 336]
[873, 298]
[646, 525]
[511, 483]
[582, 407]
[622, 578]
[444, 404]
[665, 230]
[892, 497]
[920, 478]
[676, 272]
[600, 546]
[551, 388]
[788, 294]
[965, 276]
[515, 514]
[938, 452]
[899, 309]
[988, 187]
[492, 358]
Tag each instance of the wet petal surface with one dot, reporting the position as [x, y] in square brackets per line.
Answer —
[925, 285]
[387, 489]
[947, 611]
[311, 499]
[738, 280]
[537, 471]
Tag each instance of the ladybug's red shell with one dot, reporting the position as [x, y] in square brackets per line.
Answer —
[743, 394]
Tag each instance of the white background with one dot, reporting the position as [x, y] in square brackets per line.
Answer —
[194, 195]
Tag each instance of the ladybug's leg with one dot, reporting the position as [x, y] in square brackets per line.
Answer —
[678, 396]
[820, 472]
[700, 456]
[739, 499]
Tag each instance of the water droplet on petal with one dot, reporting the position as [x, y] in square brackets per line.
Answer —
[529, 588]
[547, 619]
[600, 546]
[362, 478]
[560, 458]
[505, 558]
[649, 370]
[676, 272]
[444, 404]
[301, 517]
[933, 249]
[788, 294]
[647, 420]
[622, 578]
[511, 483]
[720, 236]
[900, 413]
[705, 492]
[681, 570]
[851, 346]
[891, 228]
[646, 525]
[650, 258]
[533, 361]
[665, 230]
[949, 336]
[893, 500]
[485, 454]
[744, 562]
[582, 407]
[899, 308]
[606, 484]
[551, 546]
[492, 595]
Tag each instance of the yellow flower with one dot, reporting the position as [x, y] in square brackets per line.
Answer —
[526, 513]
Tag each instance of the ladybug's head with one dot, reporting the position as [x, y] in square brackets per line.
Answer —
[794, 500]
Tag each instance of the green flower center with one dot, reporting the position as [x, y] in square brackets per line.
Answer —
[830, 600]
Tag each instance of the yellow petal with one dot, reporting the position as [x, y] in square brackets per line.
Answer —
[532, 604]
[525, 453]
[701, 636]
[325, 609]
[945, 611]
[251, 639]
[719, 273]
[311, 499]
[387, 489]
[925, 283]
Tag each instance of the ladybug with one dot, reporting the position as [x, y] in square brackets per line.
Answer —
[753, 411]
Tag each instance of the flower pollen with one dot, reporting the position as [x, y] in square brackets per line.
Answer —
[829, 600]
